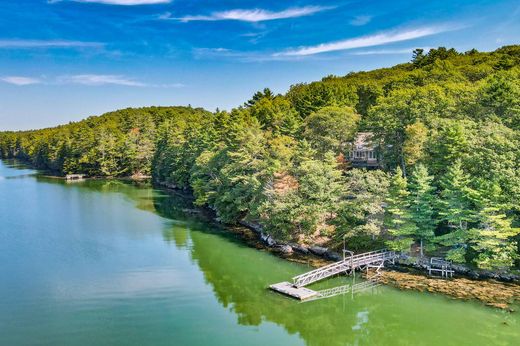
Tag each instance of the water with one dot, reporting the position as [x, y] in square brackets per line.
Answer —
[113, 263]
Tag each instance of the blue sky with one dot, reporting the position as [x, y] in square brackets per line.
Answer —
[63, 60]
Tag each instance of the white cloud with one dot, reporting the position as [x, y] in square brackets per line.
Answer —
[389, 51]
[47, 44]
[360, 20]
[18, 80]
[119, 2]
[99, 79]
[86, 79]
[253, 15]
[368, 41]
[110, 79]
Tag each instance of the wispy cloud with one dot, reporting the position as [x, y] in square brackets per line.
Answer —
[118, 2]
[47, 44]
[99, 79]
[246, 56]
[110, 79]
[369, 41]
[389, 51]
[19, 80]
[253, 15]
[87, 80]
[360, 20]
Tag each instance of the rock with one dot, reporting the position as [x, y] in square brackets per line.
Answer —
[256, 227]
[267, 239]
[300, 248]
[332, 256]
[318, 250]
[285, 249]
[473, 274]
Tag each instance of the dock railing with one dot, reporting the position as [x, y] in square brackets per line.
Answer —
[349, 263]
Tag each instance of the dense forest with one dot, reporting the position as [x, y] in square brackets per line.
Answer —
[447, 129]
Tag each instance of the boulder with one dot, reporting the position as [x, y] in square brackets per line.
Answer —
[300, 248]
[285, 249]
[267, 239]
[333, 256]
[318, 250]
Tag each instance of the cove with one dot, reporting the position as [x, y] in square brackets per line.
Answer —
[106, 262]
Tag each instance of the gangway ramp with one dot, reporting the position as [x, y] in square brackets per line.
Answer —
[350, 264]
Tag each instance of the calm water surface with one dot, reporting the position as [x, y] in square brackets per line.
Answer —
[113, 263]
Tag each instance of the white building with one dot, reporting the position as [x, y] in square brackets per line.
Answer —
[363, 151]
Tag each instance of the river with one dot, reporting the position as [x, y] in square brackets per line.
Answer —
[106, 262]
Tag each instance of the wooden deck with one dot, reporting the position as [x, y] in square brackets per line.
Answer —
[288, 289]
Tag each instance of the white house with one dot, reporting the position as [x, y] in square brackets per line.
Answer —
[363, 153]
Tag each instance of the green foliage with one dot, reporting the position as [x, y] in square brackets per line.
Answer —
[304, 200]
[491, 239]
[398, 216]
[361, 213]
[331, 129]
[447, 124]
[422, 209]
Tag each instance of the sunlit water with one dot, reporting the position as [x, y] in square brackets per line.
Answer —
[113, 263]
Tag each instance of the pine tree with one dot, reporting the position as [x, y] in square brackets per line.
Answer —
[492, 239]
[397, 218]
[421, 199]
[456, 208]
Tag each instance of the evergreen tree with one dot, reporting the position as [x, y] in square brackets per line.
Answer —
[398, 218]
[421, 199]
[456, 208]
[493, 237]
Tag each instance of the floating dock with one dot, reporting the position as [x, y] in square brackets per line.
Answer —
[288, 289]
[296, 289]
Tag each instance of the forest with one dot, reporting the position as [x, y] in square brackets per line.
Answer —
[446, 126]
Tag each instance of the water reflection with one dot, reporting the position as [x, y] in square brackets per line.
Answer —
[237, 275]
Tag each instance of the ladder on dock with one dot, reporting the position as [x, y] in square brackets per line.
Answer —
[296, 289]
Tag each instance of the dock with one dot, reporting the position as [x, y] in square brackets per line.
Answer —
[72, 177]
[288, 289]
[297, 289]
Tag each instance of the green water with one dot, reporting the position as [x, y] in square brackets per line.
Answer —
[113, 263]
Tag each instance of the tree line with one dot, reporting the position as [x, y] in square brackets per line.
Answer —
[446, 126]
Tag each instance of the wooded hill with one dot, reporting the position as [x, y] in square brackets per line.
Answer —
[447, 126]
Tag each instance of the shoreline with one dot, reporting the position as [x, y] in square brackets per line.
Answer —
[493, 289]
[487, 287]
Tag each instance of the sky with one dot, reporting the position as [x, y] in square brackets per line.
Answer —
[65, 60]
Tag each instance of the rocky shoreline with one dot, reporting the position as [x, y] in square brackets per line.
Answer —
[489, 292]
[403, 261]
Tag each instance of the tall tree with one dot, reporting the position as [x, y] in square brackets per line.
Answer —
[457, 210]
[422, 210]
[493, 239]
[398, 216]
[331, 128]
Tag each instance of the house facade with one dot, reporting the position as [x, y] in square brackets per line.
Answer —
[363, 152]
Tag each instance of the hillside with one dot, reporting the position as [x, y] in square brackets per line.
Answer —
[446, 126]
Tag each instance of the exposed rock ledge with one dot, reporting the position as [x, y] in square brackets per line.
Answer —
[492, 293]
[403, 261]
